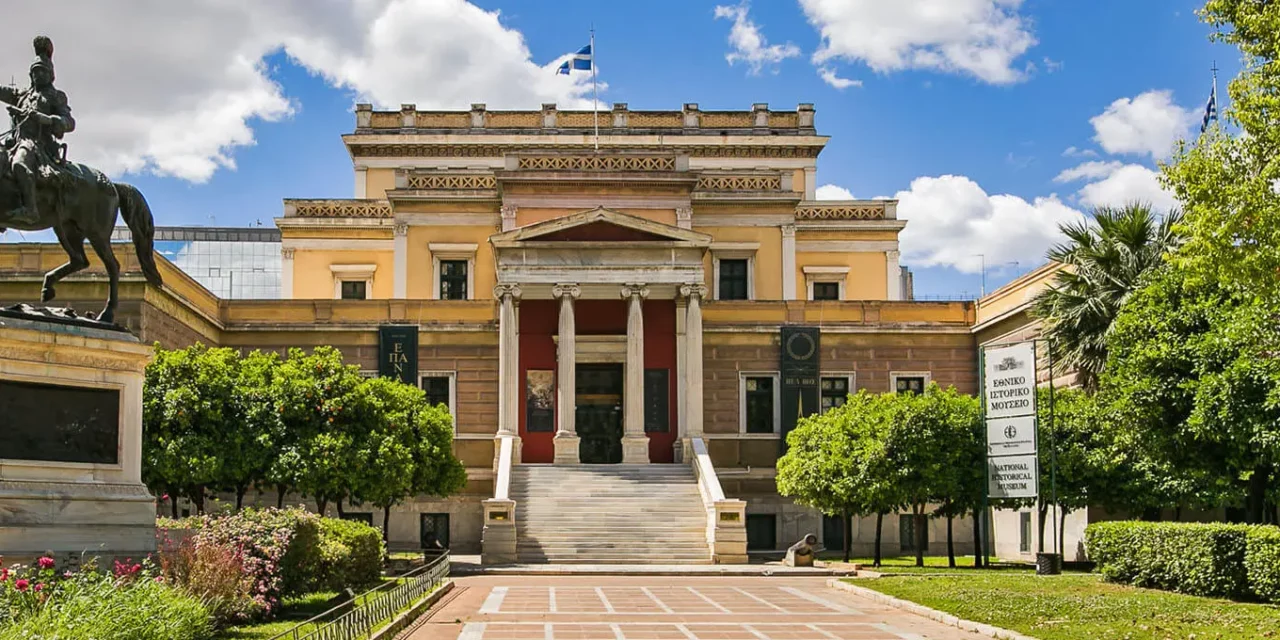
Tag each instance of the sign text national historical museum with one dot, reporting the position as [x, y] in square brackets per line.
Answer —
[1009, 401]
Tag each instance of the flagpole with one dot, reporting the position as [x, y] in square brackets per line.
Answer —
[595, 95]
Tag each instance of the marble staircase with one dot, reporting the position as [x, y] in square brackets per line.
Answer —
[609, 514]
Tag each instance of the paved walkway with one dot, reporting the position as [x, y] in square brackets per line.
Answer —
[665, 608]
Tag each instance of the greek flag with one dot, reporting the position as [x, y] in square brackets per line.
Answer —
[581, 61]
[1210, 109]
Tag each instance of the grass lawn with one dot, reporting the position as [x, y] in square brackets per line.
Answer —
[1073, 606]
[932, 564]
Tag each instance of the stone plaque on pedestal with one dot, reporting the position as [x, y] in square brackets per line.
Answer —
[71, 442]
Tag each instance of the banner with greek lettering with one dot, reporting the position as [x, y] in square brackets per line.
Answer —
[1011, 381]
[1009, 401]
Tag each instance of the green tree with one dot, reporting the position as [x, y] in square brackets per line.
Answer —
[1104, 259]
[1230, 184]
[250, 442]
[1194, 405]
[836, 463]
[960, 482]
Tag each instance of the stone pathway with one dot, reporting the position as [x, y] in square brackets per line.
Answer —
[666, 608]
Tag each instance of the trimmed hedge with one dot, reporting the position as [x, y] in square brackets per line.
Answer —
[351, 553]
[1211, 560]
[1262, 563]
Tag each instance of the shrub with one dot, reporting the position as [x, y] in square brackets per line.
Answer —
[1198, 559]
[215, 574]
[351, 553]
[1262, 563]
[96, 605]
[278, 549]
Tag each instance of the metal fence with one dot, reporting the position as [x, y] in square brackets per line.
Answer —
[373, 608]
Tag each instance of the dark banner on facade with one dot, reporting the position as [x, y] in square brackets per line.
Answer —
[398, 352]
[799, 367]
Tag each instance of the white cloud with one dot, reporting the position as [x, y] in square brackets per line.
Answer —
[833, 192]
[1149, 123]
[1073, 152]
[1053, 66]
[176, 88]
[1116, 184]
[749, 44]
[829, 76]
[980, 38]
[951, 219]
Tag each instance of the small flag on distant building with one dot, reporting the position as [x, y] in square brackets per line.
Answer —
[581, 61]
[1211, 107]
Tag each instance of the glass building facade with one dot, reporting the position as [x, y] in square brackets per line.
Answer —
[231, 262]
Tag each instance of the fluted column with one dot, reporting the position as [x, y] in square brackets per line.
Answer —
[508, 360]
[693, 294]
[635, 445]
[566, 440]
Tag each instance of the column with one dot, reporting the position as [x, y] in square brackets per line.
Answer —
[681, 374]
[810, 180]
[401, 258]
[894, 275]
[693, 294]
[788, 262]
[508, 360]
[508, 214]
[566, 440]
[286, 272]
[635, 445]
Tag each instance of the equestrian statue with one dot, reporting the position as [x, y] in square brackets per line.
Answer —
[40, 189]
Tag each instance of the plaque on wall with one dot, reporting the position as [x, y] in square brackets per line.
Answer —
[539, 400]
[398, 352]
[54, 423]
[657, 400]
[799, 366]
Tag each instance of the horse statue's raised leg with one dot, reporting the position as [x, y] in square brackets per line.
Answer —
[72, 242]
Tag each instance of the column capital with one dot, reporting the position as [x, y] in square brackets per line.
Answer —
[287, 252]
[635, 290]
[684, 217]
[788, 230]
[507, 289]
[693, 291]
[566, 289]
[401, 229]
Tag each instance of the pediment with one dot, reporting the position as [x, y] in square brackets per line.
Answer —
[601, 225]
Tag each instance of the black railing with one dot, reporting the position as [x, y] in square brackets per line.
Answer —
[373, 608]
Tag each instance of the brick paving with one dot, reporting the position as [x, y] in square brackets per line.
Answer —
[666, 608]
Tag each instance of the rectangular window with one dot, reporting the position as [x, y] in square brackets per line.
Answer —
[437, 388]
[910, 384]
[762, 532]
[1024, 532]
[835, 390]
[657, 401]
[433, 531]
[826, 291]
[359, 516]
[759, 404]
[354, 290]
[733, 279]
[907, 533]
[453, 279]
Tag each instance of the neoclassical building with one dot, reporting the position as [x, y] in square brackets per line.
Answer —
[669, 298]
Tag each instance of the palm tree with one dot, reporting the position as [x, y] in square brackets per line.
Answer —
[1105, 260]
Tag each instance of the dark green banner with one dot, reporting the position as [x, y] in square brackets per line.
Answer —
[800, 369]
[398, 352]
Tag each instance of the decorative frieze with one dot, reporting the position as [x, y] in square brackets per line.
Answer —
[494, 151]
[842, 211]
[739, 183]
[597, 163]
[451, 181]
[337, 208]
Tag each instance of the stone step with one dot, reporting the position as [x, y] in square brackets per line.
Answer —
[573, 559]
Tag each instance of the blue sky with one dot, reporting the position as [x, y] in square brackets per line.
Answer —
[999, 130]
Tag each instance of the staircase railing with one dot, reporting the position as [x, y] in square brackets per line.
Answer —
[498, 537]
[726, 518]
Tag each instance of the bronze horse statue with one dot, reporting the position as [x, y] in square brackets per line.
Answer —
[80, 203]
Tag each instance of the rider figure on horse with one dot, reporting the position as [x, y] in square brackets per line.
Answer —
[40, 117]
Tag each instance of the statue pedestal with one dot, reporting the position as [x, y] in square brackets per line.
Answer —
[71, 443]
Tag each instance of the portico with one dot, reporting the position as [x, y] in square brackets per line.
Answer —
[605, 288]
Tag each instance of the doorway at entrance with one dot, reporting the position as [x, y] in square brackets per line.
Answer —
[598, 415]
